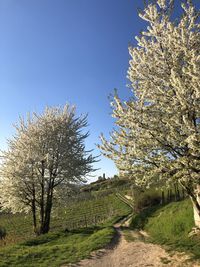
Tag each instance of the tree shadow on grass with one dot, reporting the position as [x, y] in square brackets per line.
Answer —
[140, 219]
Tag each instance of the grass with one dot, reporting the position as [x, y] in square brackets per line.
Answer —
[170, 225]
[76, 231]
[101, 211]
[55, 249]
[90, 212]
[18, 227]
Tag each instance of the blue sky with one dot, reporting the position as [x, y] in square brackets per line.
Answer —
[58, 51]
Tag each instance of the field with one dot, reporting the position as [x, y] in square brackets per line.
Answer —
[55, 249]
[170, 225]
[76, 230]
[80, 214]
[85, 224]
[91, 212]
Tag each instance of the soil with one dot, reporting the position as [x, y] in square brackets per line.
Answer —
[135, 253]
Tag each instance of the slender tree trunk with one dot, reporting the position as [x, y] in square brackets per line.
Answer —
[33, 208]
[162, 197]
[33, 205]
[34, 217]
[42, 199]
[183, 193]
[168, 195]
[47, 216]
[175, 192]
[178, 194]
[47, 213]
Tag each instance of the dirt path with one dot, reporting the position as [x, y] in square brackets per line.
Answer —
[136, 253]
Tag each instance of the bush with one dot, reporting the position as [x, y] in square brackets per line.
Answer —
[2, 233]
[146, 199]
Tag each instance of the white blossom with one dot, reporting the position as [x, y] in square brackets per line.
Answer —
[157, 139]
[47, 152]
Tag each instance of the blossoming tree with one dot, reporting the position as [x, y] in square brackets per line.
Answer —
[46, 153]
[157, 138]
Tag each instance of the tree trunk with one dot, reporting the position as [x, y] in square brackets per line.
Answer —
[47, 217]
[195, 198]
[177, 193]
[45, 226]
[34, 218]
[162, 197]
[196, 206]
[42, 197]
[183, 193]
[168, 195]
[33, 208]
[196, 215]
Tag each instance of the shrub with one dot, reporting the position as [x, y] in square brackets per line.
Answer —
[146, 199]
[2, 233]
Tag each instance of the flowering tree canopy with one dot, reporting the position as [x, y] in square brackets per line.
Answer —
[157, 139]
[46, 153]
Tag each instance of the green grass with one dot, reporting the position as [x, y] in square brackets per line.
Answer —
[18, 227]
[55, 249]
[76, 231]
[101, 211]
[170, 225]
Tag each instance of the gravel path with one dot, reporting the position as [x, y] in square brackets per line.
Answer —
[134, 254]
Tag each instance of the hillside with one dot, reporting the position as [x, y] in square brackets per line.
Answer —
[85, 223]
[79, 227]
[56, 248]
[78, 213]
[170, 225]
[138, 248]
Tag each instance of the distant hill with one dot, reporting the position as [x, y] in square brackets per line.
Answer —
[102, 184]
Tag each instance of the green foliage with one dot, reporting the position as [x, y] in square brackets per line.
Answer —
[55, 249]
[170, 225]
[153, 196]
[147, 198]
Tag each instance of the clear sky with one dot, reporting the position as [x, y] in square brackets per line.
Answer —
[58, 51]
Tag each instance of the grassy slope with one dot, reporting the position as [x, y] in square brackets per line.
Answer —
[59, 246]
[170, 225]
[104, 209]
[55, 249]
[97, 210]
